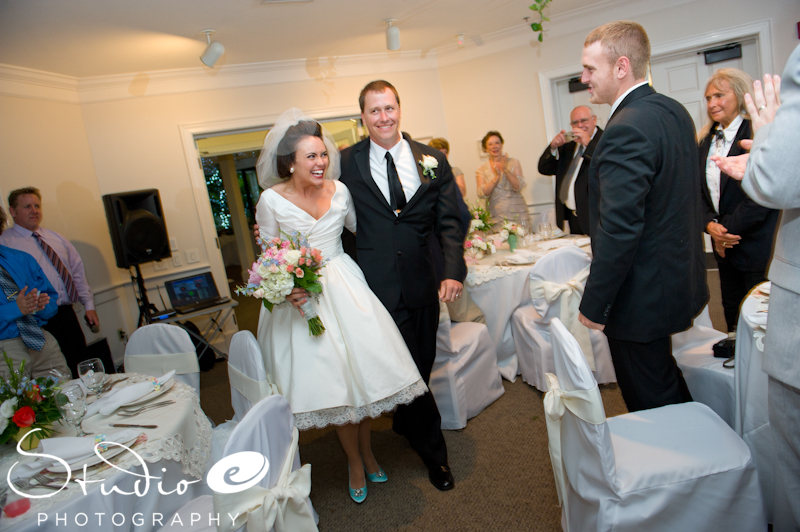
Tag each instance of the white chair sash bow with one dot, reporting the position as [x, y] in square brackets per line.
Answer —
[585, 404]
[253, 390]
[283, 507]
[569, 297]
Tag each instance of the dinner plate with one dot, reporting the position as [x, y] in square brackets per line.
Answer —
[92, 459]
[164, 388]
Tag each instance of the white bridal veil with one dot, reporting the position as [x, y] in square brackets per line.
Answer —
[267, 168]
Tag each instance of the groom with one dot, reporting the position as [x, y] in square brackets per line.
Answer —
[402, 198]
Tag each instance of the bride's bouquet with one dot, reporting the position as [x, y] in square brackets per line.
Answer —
[283, 265]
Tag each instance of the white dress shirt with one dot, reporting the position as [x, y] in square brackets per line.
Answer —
[719, 146]
[403, 161]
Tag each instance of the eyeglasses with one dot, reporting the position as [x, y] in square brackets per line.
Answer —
[580, 121]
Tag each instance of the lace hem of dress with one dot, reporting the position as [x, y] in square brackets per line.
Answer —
[342, 415]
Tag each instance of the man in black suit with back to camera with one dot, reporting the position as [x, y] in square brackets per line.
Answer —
[647, 279]
[403, 191]
[568, 158]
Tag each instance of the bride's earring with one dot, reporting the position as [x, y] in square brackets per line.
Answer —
[291, 169]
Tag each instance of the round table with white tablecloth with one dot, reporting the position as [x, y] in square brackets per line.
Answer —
[176, 451]
[498, 284]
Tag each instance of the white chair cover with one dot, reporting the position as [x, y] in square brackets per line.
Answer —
[280, 501]
[678, 467]
[248, 378]
[708, 381]
[194, 516]
[157, 348]
[751, 385]
[556, 287]
[465, 378]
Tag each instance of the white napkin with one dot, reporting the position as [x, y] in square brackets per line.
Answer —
[582, 241]
[70, 449]
[522, 256]
[121, 396]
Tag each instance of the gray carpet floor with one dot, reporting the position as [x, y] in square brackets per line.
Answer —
[500, 461]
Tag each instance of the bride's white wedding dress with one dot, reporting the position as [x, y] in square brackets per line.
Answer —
[360, 366]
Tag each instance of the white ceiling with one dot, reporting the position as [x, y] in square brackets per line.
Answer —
[84, 38]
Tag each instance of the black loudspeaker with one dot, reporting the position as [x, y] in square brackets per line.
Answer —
[136, 223]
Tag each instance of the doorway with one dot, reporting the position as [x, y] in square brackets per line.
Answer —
[228, 160]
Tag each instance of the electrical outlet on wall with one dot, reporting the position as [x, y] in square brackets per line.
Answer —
[192, 255]
[176, 260]
[173, 244]
[160, 265]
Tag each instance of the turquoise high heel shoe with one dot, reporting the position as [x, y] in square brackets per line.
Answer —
[358, 495]
[378, 477]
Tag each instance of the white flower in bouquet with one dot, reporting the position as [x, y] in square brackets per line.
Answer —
[277, 286]
[8, 408]
[504, 234]
[292, 256]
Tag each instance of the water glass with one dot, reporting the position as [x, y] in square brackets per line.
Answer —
[93, 374]
[71, 402]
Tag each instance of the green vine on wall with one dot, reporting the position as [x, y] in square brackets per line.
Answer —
[539, 6]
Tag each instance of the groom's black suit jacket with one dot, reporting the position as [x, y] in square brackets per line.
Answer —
[647, 279]
[393, 251]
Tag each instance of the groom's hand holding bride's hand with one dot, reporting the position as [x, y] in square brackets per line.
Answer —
[450, 290]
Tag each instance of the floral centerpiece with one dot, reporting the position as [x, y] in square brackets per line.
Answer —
[27, 403]
[283, 265]
[512, 232]
[477, 247]
[481, 220]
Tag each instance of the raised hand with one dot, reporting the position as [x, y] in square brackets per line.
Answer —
[559, 140]
[765, 101]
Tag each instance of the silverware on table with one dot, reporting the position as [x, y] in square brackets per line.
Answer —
[107, 386]
[39, 480]
[134, 425]
[129, 412]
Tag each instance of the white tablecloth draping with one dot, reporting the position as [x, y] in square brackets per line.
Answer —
[752, 415]
[498, 288]
[176, 453]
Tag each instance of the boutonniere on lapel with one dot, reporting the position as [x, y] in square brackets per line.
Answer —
[428, 163]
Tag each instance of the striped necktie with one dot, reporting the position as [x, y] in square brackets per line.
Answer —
[62, 270]
[29, 330]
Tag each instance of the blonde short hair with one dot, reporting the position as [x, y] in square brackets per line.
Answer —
[623, 38]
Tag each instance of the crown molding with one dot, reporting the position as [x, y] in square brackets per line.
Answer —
[36, 84]
[28, 83]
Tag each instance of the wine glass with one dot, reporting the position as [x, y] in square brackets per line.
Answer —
[71, 402]
[93, 374]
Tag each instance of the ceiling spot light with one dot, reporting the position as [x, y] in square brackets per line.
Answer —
[213, 52]
[392, 35]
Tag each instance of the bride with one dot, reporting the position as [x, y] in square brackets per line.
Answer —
[360, 366]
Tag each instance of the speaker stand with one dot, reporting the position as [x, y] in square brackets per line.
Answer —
[146, 309]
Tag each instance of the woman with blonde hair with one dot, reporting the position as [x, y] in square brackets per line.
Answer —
[740, 229]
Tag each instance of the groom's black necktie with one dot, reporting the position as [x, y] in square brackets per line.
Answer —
[397, 198]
